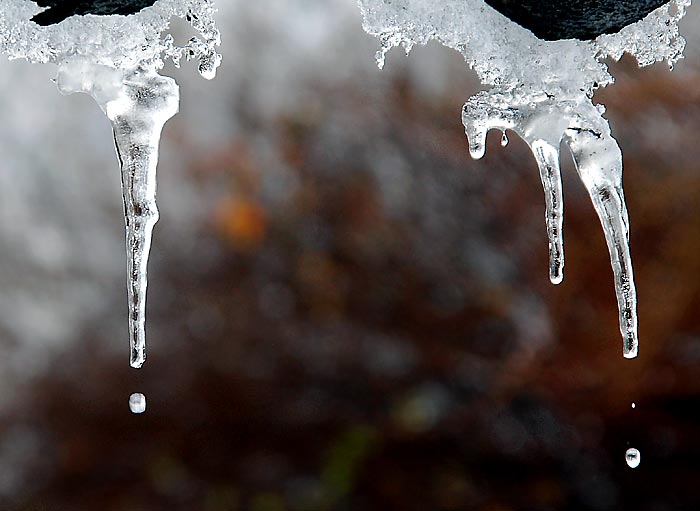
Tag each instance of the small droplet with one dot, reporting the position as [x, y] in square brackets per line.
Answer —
[137, 402]
[504, 139]
[633, 457]
[634, 405]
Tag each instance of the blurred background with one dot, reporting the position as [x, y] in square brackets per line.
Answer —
[345, 312]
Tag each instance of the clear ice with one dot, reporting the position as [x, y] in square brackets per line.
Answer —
[633, 457]
[116, 60]
[542, 91]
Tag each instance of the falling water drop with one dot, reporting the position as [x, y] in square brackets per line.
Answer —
[634, 405]
[137, 402]
[633, 457]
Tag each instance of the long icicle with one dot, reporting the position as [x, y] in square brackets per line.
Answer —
[149, 101]
[598, 161]
[138, 102]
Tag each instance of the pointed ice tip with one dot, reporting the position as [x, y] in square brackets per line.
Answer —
[556, 278]
[631, 346]
[477, 151]
[137, 360]
[630, 354]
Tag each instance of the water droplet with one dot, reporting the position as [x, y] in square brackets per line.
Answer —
[137, 402]
[633, 457]
[634, 405]
[504, 139]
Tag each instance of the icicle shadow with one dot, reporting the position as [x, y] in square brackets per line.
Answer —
[138, 104]
[543, 124]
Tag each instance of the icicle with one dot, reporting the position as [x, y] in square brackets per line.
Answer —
[598, 161]
[547, 157]
[138, 104]
[476, 135]
[138, 118]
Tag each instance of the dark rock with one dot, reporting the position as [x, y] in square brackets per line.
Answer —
[62, 9]
[574, 19]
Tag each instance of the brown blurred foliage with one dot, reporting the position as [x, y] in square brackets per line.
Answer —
[386, 338]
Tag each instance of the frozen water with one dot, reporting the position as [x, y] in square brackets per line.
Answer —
[121, 42]
[137, 402]
[116, 60]
[138, 103]
[542, 90]
[633, 457]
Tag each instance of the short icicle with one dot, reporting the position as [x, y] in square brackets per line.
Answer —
[138, 103]
[547, 157]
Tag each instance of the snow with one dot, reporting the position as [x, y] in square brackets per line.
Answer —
[121, 42]
[542, 90]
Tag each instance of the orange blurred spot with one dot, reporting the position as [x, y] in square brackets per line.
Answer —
[243, 222]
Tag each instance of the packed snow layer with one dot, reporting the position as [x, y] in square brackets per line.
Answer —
[542, 90]
[122, 42]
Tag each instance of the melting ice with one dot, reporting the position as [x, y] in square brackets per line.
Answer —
[116, 60]
[542, 90]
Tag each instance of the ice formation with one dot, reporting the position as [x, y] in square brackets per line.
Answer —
[116, 60]
[542, 90]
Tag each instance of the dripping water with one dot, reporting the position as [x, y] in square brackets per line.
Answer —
[137, 403]
[633, 457]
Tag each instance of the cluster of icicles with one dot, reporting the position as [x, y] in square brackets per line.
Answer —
[544, 124]
[545, 104]
[542, 91]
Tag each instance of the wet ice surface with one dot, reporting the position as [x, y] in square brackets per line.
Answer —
[116, 60]
[542, 90]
